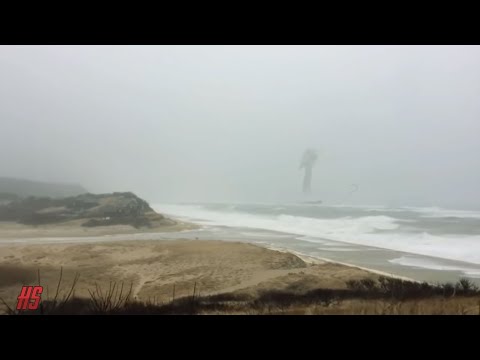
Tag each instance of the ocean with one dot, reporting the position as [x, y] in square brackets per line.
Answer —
[426, 244]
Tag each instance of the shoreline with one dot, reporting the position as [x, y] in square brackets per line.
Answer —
[360, 258]
[318, 259]
[102, 234]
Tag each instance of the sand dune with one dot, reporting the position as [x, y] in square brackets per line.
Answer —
[155, 267]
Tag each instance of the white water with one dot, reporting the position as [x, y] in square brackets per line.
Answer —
[435, 212]
[426, 263]
[363, 230]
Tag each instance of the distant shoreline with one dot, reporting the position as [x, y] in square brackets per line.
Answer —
[14, 231]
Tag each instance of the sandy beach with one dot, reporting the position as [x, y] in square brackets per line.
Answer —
[158, 271]
[155, 267]
[163, 269]
[13, 230]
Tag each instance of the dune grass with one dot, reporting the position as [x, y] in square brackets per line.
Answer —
[385, 296]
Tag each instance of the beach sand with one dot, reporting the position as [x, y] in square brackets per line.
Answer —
[12, 230]
[158, 270]
[155, 267]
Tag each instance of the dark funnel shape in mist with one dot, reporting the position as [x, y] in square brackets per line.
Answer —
[308, 160]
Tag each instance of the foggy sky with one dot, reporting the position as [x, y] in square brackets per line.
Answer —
[230, 123]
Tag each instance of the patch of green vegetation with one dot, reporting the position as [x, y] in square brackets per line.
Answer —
[99, 210]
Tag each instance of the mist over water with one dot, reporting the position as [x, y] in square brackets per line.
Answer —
[230, 123]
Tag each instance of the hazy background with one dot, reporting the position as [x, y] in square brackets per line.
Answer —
[230, 123]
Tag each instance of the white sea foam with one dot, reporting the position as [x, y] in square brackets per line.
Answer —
[426, 212]
[434, 265]
[363, 207]
[332, 248]
[437, 212]
[268, 235]
[353, 230]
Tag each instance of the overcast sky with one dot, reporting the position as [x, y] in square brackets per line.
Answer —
[230, 123]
